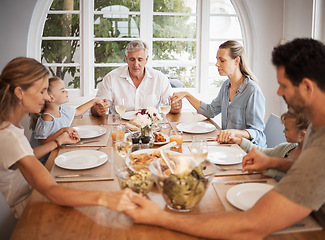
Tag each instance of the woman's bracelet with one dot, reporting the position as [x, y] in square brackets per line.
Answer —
[57, 142]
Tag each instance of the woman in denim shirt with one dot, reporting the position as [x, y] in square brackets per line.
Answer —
[240, 99]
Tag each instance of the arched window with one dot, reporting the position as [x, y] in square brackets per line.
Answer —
[82, 40]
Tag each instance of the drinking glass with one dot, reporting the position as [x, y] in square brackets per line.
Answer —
[164, 107]
[118, 132]
[176, 136]
[123, 146]
[199, 149]
[120, 106]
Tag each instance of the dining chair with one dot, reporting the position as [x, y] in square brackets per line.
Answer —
[274, 131]
[7, 219]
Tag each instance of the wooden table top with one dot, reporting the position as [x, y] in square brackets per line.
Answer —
[44, 220]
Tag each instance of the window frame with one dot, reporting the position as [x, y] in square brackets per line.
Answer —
[86, 90]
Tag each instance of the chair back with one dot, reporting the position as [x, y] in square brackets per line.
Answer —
[7, 219]
[274, 131]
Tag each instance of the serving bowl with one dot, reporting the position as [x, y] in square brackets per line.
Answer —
[183, 191]
[139, 179]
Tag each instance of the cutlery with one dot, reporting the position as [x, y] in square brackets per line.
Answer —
[80, 143]
[77, 175]
[169, 145]
[240, 182]
[114, 119]
[228, 169]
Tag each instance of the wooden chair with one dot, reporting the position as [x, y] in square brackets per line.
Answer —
[274, 131]
[7, 219]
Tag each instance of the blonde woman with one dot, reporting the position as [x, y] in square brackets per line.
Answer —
[240, 100]
[23, 90]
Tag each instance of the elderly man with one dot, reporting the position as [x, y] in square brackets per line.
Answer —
[140, 86]
[300, 73]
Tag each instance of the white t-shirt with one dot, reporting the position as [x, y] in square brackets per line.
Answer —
[118, 84]
[13, 147]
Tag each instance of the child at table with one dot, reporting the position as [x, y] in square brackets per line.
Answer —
[55, 116]
[295, 129]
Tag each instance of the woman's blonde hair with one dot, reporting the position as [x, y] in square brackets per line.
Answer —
[237, 50]
[20, 72]
[35, 116]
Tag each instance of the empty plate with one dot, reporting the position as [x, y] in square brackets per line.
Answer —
[90, 131]
[226, 155]
[196, 127]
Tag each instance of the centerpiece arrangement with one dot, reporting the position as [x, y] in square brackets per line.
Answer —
[145, 119]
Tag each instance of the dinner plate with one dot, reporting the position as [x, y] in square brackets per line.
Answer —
[162, 143]
[90, 131]
[196, 127]
[225, 155]
[81, 159]
[128, 115]
[244, 196]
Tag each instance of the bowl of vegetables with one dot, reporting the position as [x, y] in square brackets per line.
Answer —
[182, 191]
[139, 179]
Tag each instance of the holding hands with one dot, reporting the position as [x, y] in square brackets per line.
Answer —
[256, 161]
[101, 106]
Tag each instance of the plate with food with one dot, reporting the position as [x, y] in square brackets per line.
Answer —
[90, 131]
[160, 138]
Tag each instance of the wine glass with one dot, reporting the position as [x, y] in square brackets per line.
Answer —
[120, 106]
[164, 107]
[123, 146]
[199, 149]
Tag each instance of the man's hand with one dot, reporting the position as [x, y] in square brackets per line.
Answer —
[176, 106]
[256, 161]
[100, 108]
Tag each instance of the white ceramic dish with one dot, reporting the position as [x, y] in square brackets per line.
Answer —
[128, 115]
[162, 143]
[226, 155]
[196, 127]
[244, 196]
[81, 159]
[90, 131]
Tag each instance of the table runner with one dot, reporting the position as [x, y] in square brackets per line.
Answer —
[105, 171]
[306, 224]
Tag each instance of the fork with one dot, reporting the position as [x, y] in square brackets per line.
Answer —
[228, 169]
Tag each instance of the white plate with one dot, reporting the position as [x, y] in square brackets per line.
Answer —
[128, 115]
[90, 131]
[226, 155]
[196, 127]
[245, 195]
[162, 143]
[81, 159]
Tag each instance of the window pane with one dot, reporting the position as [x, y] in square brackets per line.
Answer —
[185, 6]
[222, 7]
[100, 73]
[117, 5]
[169, 27]
[225, 27]
[61, 25]
[69, 75]
[65, 5]
[60, 51]
[174, 50]
[117, 26]
[179, 77]
[110, 52]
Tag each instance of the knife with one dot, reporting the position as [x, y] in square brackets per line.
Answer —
[114, 119]
[240, 182]
[77, 175]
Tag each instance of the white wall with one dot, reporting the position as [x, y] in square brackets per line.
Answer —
[266, 17]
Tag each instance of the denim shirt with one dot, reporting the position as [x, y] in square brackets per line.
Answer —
[245, 112]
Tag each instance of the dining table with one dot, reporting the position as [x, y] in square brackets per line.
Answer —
[42, 219]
